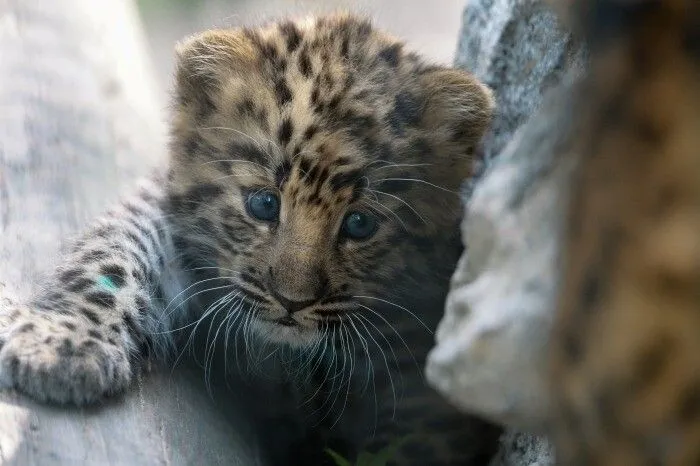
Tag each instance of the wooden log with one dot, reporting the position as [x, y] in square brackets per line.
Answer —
[78, 122]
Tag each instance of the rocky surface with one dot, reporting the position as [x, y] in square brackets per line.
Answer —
[490, 353]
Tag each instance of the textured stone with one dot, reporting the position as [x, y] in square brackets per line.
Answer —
[491, 343]
[518, 48]
[490, 356]
[519, 449]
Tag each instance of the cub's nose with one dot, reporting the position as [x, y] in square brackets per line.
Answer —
[295, 293]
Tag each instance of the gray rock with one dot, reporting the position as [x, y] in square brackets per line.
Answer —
[518, 48]
[490, 357]
[518, 449]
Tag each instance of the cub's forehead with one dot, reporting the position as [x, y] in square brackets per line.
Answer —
[330, 91]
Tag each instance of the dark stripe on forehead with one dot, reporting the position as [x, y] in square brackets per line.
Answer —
[246, 151]
[282, 173]
[291, 34]
[305, 64]
[204, 192]
[282, 91]
[284, 134]
[345, 179]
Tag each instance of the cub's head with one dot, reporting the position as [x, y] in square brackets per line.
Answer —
[316, 164]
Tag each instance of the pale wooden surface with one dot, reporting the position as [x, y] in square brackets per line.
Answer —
[78, 122]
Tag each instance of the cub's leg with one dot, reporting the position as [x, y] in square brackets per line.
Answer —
[82, 338]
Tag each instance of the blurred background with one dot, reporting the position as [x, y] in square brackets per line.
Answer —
[429, 27]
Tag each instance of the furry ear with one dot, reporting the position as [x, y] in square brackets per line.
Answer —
[204, 60]
[457, 105]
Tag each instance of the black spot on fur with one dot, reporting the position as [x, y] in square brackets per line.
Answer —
[304, 166]
[137, 241]
[246, 107]
[95, 334]
[205, 225]
[305, 64]
[191, 144]
[116, 273]
[66, 348]
[94, 255]
[310, 177]
[115, 328]
[283, 93]
[282, 173]
[246, 151]
[345, 179]
[291, 34]
[141, 305]
[134, 209]
[310, 132]
[267, 49]
[205, 106]
[79, 285]
[233, 232]
[284, 134]
[334, 103]
[70, 275]
[68, 325]
[391, 55]
[28, 327]
[91, 315]
[101, 298]
[204, 192]
[345, 47]
[406, 113]
[133, 329]
[358, 125]
[88, 345]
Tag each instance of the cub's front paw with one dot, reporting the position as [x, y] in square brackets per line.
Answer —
[58, 360]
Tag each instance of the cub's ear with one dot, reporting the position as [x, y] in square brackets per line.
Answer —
[458, 106]
[204, 60]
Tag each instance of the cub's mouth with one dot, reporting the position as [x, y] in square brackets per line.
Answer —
[287, 321]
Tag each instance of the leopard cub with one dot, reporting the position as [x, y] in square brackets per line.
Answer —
[310, 205]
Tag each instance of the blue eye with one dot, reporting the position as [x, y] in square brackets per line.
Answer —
[359, 225]
[263, 205]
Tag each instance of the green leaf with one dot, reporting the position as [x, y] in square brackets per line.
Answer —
[389, 452]
[339, 460]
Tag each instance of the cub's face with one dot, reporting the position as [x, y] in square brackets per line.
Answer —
[316, 166]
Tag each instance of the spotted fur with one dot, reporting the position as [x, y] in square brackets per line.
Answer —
[330, 116]
[626, 351]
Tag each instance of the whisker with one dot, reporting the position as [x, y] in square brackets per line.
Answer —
[396, 332]
[370, 372]
[418, 181]
[362, 318]
[399, 307]
[399, 165]
[402, 201]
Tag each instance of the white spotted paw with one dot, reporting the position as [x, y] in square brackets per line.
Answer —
[54, 362]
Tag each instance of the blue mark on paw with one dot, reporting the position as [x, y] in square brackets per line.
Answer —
[106, 283]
